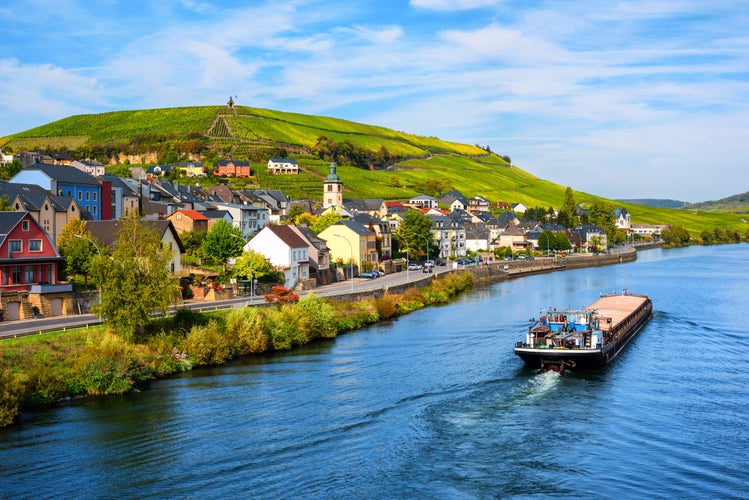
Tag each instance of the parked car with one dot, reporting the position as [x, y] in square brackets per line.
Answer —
[440, 263]
[367, 274]
[414, 267]
[429, 263]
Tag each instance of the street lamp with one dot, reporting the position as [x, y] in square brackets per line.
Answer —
[351, 259]
[97, 251]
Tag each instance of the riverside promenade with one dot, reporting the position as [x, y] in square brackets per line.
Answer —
[354, 289]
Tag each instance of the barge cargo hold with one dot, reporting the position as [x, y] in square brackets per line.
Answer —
[590, 337]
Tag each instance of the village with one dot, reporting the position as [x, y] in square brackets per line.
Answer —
[50, 191]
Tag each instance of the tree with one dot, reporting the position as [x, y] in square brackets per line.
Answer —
[78, 247]
[567, 214]
[602, 215]
[257, 265]
[325, 221]
[415, 231]
[136, 282]
[295, 212]
[546, 241]
[223, 242]
[5, 204]
[562, 241]
[280, 296]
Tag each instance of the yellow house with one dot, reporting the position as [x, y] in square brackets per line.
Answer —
[349, 240]
[191, 169]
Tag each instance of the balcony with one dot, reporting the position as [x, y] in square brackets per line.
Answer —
[48, 288]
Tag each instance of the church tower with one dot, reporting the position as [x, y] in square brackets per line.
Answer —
[332, 190]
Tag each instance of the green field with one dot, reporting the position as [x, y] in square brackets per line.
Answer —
[243, 132]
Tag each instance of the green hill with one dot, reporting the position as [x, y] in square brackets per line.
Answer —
[381, 163]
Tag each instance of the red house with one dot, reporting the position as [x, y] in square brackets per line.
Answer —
[232, 168]
[29, 265]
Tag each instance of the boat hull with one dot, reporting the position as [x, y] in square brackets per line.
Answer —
[628, 324]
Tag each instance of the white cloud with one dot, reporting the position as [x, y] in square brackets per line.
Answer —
[448, 5]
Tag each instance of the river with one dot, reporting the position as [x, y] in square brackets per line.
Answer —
[435, 405]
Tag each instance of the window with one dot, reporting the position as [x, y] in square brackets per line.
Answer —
[17, 274]
[88, 196]
[25, 225]
[15, 246]
[94, 196]
[35, 245]
[29, 274]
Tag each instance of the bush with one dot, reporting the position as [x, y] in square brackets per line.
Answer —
[109, 365]
[10, 396]
[208, 345]
[44, 385]
[246, 327]
[316, 317]
[283, 326]
[387, 306]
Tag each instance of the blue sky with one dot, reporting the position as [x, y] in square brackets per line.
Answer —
[625, 99]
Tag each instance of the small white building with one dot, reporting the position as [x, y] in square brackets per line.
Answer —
[5, 159]
[94, 168]
[283, 166]
[286, 250]
[248, 218]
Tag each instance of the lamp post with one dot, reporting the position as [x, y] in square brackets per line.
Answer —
[98, 251]
[351, 259]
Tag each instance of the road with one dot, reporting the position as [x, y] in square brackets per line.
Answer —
[12, 329]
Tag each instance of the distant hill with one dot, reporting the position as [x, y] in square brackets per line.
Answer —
[656, 203]
[738, 203]
[374, 162]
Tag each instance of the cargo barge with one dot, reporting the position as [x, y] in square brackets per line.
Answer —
[585, 338]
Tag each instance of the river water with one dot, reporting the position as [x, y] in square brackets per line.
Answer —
[435, 405]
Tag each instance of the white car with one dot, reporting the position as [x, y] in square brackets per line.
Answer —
[414, 267]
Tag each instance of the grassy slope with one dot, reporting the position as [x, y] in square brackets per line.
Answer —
[468, 168]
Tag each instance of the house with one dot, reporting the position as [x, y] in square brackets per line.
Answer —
[477, 238]
[191, 168]
[29, 266]
[651, 230]
[382, 229]
[232, 168]
[519, 208]
[125, 199]
[51, 212]
[159, 170]
[215, 215]
[450, 235]
[5, 159]
[590, 238]
[373, 206]
[477, 205]
[94, 168]
[189, 220]
[286, 250]
[319, 254]
[106, 233]
[423, 201]
[93, 196]
[273, 199]
[248, 218]
[283, 166]
[622, 219]
[350, 242]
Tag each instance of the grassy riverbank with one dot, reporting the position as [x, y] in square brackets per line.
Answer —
[39, 371]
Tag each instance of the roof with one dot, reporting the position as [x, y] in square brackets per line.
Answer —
[288, 236]
[9, 220]
[333, 176]
[216, 214]
[66, 175]
[355, 227]
[284, 160]
[193, 214]
[107, 231]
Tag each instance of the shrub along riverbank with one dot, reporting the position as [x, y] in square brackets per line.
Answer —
[39, 371]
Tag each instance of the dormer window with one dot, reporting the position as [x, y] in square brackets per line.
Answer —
[25, 225]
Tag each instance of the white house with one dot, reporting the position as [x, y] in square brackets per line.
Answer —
[248, 218]
[283, 166]
[622, 219]
[5, 159]
[519, 208]
[423, 201]
[94, 168]
[286, 251]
